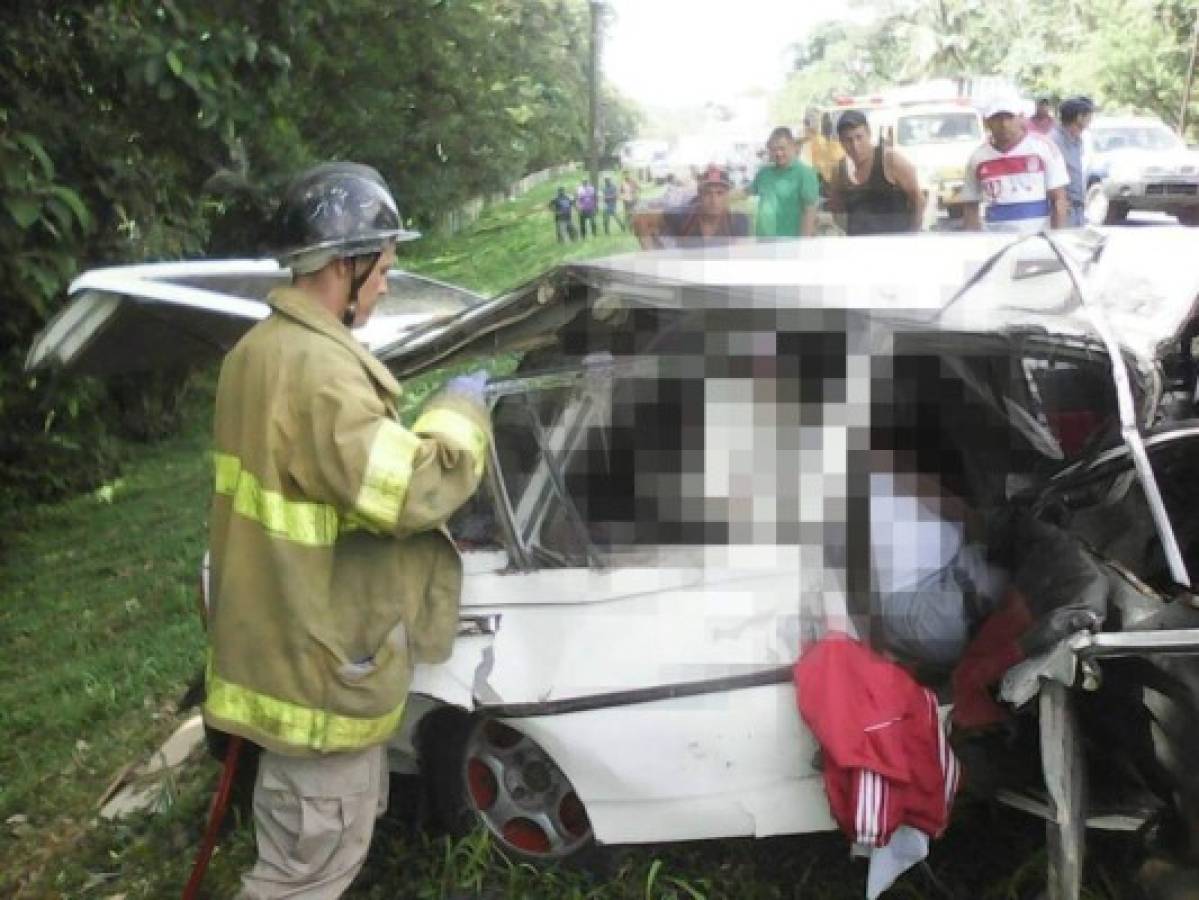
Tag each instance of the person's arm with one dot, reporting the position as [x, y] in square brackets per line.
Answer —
[1059, 208]
[646, 226]
[809, 198]
[1056, 179]
[351, 454]
[835, 203]
[971, 195]
[903, 175]
[807, 224]
[836, 196]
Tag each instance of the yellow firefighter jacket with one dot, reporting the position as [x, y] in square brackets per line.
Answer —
[331, 573]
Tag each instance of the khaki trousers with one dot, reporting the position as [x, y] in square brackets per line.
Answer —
[313, 819]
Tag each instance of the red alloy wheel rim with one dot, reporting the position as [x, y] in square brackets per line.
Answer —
[527, 836]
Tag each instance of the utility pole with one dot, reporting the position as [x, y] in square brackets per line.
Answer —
[593, 152]
[1186, 90]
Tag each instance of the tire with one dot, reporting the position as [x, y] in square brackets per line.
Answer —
[1189, 217]
[1100, 210]
[482, 773]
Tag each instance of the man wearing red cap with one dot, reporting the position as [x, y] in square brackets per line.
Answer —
[707, 221]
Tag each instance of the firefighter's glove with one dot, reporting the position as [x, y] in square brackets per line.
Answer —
[470, 387]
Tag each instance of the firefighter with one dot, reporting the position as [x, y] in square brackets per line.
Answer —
[331, 571]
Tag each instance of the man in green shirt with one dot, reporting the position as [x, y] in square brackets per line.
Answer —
[787, 190]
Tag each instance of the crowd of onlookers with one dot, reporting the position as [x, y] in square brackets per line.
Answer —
[586, 203]
[1026, 176]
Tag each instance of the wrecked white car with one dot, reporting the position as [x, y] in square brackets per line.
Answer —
[679, 503]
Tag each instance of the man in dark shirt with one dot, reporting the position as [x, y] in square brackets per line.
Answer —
[611, 196]
[563, 208]
[1067, 134]
[707, 221]
[874, 190]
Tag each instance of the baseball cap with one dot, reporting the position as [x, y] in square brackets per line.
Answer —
[1003, 104]
[714, 174]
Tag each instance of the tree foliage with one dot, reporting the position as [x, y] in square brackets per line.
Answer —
[160, 129]
[1127, 54]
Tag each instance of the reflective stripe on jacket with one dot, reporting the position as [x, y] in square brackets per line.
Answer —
[331, 573]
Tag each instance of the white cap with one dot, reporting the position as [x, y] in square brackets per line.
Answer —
[1003, 104]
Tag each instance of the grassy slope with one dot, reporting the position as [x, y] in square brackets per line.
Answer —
[98, 637]
[510, 244]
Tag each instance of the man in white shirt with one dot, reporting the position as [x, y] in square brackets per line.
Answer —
[1019, 174]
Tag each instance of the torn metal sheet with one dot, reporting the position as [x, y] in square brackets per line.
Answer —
[169, 315]
[142, 787]
[1066, 780]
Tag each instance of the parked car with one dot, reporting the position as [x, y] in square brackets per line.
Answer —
[671, 513]
[1138, 163]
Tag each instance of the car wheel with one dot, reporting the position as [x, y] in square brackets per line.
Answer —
[483, 772]
[1099, 210]
[1189, 217]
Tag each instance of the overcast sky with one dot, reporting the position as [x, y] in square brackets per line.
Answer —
[684, 52]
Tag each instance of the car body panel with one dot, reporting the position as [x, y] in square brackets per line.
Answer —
[1138, 284]
[719, 765]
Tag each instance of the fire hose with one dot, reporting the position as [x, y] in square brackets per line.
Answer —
[216, 814]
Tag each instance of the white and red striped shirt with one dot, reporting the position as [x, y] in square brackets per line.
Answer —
[1015, 184]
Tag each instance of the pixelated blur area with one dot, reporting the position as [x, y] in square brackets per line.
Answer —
[723, 428]
[676, 414]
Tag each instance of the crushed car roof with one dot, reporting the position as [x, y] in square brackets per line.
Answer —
[1143, 280]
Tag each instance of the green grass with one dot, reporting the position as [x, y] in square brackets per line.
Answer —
[510, 244]
[99, 637]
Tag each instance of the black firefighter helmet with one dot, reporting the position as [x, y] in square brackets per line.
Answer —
[335, 210]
